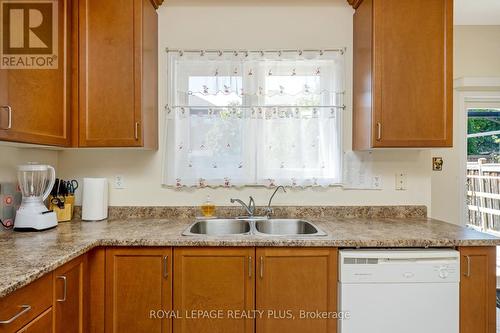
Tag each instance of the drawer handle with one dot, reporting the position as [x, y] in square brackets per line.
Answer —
[136, 130]
[62, 277]
[25, 308]
[379, 131]
[261, 267]
[9, 114]
[165, 267]
[249, 267]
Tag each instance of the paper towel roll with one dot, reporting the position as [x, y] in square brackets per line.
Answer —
[95, 199]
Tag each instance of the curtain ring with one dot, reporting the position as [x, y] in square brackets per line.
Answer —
[321, 52]
[220, 53]
[181, 53]
[261, 53]
[202, 53]
[235, 53]
[300, 52]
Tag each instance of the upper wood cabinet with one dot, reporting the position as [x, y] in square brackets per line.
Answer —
[402, 93]
[212, 279]
[138, 280]
[118, 65]
[295, 280]
[35, 104]
[70, 303]
[478, 290]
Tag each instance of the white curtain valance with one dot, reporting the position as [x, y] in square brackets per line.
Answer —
[256, 118]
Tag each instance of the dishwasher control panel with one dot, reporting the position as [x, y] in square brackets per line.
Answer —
[399, 266]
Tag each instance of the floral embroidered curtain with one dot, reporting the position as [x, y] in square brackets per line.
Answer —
[254, 118]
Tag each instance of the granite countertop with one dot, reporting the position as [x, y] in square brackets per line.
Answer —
[28, 256]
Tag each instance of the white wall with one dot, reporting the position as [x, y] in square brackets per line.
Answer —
[11, 156]
[477, 54]
[252, 24]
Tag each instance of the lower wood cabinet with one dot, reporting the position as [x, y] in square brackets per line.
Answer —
[70, 296]
[41, 324]
[478, 290]
[292, 281]
[25, 305]
[212, 290]
[214, 283]
[138, 281]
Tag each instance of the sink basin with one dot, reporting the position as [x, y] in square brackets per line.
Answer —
[218, 227]
[287, 227]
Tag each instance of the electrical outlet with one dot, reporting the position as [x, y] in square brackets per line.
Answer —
[377, 182]
[119, 182]
[401, 181]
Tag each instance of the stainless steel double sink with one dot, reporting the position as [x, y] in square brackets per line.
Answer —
[253, 226]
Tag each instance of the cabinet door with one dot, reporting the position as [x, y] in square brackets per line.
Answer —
[118, 75]
[70, 294]
[39, 99]
[138, 281]
[478, 290]
[41, 324]
[292, 281]
[211, 279]
[412, 82]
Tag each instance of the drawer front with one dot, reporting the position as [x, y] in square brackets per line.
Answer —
[41, 324]
[25, 304]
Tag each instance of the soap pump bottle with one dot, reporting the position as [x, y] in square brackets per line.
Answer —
[208, 208]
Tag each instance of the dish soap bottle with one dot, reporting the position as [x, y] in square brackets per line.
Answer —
[208, 208]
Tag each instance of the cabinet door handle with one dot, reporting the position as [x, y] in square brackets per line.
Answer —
[165, 267]
[25, 308]
[136, 130]
[9, 116]
[261, 267]
[467, 272]
[62, 277]
[379, 131]
[249, 267]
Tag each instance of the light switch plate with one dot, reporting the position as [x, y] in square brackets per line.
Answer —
[377, 182]
[401, 181]
[119, 182]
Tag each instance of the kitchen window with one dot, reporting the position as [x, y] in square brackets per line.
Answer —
[237, 118]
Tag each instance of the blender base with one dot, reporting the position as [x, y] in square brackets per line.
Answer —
[34, 220]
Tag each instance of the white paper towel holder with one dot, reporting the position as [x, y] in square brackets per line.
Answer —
[95, 199]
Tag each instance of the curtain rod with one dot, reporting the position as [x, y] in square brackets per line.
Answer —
[220, 52]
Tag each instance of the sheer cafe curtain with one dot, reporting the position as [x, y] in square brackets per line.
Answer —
[237, 118]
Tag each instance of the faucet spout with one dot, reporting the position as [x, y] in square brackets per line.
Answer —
[269, 209]
[248, 207]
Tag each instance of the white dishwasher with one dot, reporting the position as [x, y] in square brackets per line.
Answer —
[395, 291]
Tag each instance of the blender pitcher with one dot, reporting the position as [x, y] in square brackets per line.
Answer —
[35, 182]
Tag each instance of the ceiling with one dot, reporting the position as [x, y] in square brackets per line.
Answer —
[477, 12]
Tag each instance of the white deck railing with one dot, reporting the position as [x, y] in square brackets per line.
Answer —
[483, 196]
